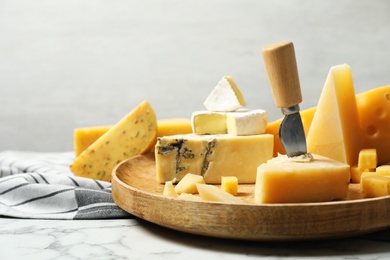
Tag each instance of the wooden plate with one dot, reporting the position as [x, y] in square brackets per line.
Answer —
[135, 189]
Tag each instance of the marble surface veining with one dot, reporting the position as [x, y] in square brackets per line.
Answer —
[138, 239]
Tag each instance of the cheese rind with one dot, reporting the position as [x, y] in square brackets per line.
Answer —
[335, 129]
[283, 180]
[225, 97]
[246, 122]
[131, 136]
[211, 156]
[208, 122]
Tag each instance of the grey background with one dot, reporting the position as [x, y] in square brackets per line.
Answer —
[75, 63]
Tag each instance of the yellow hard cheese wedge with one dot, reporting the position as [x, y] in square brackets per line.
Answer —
[335, 129]
[284, 180]
[133, 135]
[212, 193]
[374, 115]
[211, 156]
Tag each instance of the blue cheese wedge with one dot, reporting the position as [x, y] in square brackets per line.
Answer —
[225, 97]
[211, 156]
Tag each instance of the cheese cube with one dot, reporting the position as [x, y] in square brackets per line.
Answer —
[169, 190]
[211, 156]
[376, 186]
[225, 97]
[366, 174]
[212, 193]
[383, 170]
[335, 129]
[367, 159]
[246, 122]
[356, 173]
[285, 180]
[229, 184]
[132, 135]
[187, 184]
[208, 122]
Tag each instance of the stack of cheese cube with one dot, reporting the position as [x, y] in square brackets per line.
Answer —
[227, 140]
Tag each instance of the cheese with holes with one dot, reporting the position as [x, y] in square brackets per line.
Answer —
[212, 193]
[211, 156]
[132, 135]
[335, 129]
[225, 97]
[246, 122]
[285, 180]
[208, 122]
[374, 116]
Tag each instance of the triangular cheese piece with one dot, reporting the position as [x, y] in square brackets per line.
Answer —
[225, 97]
[335, 130]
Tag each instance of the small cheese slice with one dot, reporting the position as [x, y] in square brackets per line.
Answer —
[212, 193]
[225, 97]
[132, 135]
[187, 183]
[376, 186]
[211, 156]
[208, 122]
[229, 184]
[246, 122]
[284, 180]
[169, 190]
[189, 196]
[335, 129]
[85, 136]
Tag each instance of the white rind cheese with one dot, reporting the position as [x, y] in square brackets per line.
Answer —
[246, 122]
[211, 156]
[225, 97]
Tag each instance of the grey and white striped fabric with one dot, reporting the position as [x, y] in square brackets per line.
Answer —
[40, 185]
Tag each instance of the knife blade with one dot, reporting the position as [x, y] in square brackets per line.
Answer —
[282, 70]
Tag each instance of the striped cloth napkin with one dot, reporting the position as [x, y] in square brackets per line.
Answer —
[41, 185]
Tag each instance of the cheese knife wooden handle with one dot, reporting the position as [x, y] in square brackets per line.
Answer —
[281, 66]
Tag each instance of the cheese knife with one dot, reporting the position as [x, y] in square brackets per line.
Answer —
[281, 66]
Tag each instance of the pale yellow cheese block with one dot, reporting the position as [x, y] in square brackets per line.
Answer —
[211, 156]
[367, 159]
[229, 184]
[169, 190]
[335, 130]
[85, 136]
[188, 184]
[131, 136]
[283, 180]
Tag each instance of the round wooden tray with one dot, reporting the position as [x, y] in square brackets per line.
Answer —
[135, 189]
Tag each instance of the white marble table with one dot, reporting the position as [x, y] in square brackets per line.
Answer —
[137, 239]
